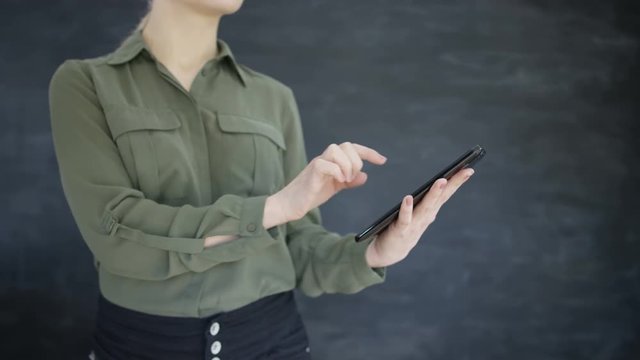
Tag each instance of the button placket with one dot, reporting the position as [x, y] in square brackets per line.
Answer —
[215, 346]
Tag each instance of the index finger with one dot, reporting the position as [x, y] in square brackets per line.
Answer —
[369, 154]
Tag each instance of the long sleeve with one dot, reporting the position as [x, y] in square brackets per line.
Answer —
[127, 233]
[325, 261]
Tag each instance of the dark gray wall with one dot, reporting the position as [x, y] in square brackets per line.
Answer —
[536, 257]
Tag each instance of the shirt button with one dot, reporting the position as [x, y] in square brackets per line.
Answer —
[215, 347]
[214, 329]
[251, 227]
[203, 72]
[215, 358]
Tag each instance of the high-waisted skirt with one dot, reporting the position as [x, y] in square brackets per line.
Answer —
[269, 328]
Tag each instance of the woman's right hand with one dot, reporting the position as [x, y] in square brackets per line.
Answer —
[338, 167]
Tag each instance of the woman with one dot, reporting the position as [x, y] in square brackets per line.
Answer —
[187, 176]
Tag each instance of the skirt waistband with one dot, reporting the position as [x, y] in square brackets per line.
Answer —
[244, 332]
[264, 306]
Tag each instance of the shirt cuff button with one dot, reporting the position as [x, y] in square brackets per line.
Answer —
[251, 227]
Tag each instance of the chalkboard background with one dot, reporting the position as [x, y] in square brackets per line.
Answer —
[536, 257]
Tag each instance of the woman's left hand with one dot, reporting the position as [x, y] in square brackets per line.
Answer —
[394, 243]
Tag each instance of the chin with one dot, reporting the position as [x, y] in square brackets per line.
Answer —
[215, 7]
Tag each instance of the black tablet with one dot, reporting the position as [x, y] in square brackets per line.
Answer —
[467, 159]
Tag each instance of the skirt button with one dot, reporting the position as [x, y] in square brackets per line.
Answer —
[215, 328]
[215, 347]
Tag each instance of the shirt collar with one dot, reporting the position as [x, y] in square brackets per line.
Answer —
[135, 43]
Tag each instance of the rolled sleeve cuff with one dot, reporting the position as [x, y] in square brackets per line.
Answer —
[251, 217]
[112, 226]
[252, 235]
[365, 274]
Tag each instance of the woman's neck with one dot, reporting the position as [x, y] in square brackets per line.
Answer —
[181, 37]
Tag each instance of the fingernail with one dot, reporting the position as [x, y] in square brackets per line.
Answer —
[442, 184]
[468, 175]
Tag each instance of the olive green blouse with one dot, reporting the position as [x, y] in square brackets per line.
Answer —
[149, 170]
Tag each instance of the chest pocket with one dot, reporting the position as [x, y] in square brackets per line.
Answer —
[255, 150]
[152, 149]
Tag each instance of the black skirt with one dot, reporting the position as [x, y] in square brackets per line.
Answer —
[269, 328]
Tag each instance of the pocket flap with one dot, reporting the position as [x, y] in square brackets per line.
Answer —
[241, 124]
[123, 119]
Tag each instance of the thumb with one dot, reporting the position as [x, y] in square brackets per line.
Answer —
[360, 179]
